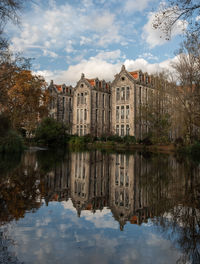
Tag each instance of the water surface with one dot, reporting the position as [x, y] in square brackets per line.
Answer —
[95, 207]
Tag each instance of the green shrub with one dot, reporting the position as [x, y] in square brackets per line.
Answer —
[77, 141]
[51, 132]
[129, 139]
[11, 142]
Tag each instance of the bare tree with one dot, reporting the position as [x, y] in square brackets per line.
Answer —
[187, 92]
[175, 10]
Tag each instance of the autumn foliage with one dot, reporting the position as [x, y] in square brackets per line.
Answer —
[27, 100]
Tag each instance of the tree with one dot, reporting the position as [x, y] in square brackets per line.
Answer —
[187, 92]
[156, 111]
[50, 132]
[27, 100]
[176, 10]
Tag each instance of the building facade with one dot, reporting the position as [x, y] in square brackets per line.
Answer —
[99, 108]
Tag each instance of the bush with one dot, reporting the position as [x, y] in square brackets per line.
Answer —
[115, 138]
[51, 132]
[11, 142]
[146, 141]
[129, 139]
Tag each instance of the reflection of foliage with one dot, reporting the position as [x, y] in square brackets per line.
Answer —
[183, 224]
[20, 191]
[47, 160]
[9, 162]
[5, 255]
[156, 180]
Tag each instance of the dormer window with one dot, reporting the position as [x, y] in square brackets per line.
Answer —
[82, 85]
[123, 78]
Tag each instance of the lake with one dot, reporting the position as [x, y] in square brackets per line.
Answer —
[98, 207]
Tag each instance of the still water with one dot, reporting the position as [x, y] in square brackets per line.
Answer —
[95, 207]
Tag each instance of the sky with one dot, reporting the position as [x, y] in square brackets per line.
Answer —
[68, 37]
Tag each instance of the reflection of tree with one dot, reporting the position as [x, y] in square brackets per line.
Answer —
[48, 160]
[20, 190]
[182, 220]
[159, 187]
[9, 162]
[5, 255]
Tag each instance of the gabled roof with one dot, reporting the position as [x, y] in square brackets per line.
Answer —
[135, 74]
[91, 81]
[58, 87]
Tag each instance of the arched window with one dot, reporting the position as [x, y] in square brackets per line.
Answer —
[122, 130]
[81, 130]
[127, 130]
[117, 130]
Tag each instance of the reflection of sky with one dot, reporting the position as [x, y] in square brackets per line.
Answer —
[55, 234]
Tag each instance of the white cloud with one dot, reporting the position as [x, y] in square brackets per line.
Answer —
[49, 53]
[136, 5]
[148, 56]
[65, 26]
[109, 55]
[155, 37]
[99, 67]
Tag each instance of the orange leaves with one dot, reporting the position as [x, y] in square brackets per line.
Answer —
[27, 98]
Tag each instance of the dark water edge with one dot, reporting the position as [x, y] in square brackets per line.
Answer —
[92, 206]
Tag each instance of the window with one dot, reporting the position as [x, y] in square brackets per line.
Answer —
[78, 99]
[127, 112]
[96, 99]
[122, 112]
[127, 130]
[127, 93]
[85, 98]
[85, 114]
[103, 100]
[122, 130]
[96, 115]
[63, 89]
[85, 130]
[81, 130]
[118, 94]
[77, 116]
[77, 130]
[117, 113]
[70, 104]
[109, 101]
[81, 117]
[103, 116]
[117, 130]
[123, 93]
[82, 97]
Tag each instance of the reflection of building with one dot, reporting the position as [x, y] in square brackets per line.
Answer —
[57, 182]
[134, 187]
[80, 168]
[94, 180]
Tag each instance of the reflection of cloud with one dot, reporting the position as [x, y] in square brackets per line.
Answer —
[101, 219]
[68, 205]
[68, 238]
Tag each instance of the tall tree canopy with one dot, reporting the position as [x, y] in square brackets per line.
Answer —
[27, 100]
